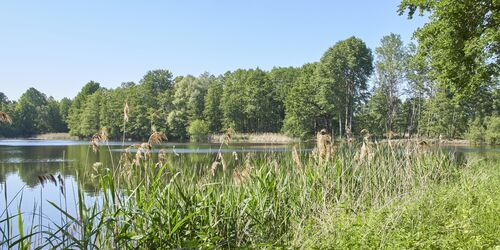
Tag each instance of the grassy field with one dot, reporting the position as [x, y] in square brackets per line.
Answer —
[370, 196]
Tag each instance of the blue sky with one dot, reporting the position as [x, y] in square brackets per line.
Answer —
[58, 46]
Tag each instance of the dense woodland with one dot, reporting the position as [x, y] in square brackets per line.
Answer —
[446, 85]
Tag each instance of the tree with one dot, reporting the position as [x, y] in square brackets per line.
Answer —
[157, 81]
[55, 122]
[64, 107]
[212, 111]
[461, 41]
[304, 114]
[248, 103]
[390, 67]
[373, 114]
[32, 113]
[188, 103]
[74, 116]
[345, 69]
[282, 80]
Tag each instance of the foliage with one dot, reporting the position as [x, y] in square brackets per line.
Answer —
[461, 41]
[461, 214]
[198, 131]
[487, 131]
[390, 67]
[400, 196]
[343, 72]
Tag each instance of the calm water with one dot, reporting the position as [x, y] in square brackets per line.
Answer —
[23, 161]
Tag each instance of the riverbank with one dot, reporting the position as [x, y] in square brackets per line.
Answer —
[458, 214]
[55, 136]
[256, 138]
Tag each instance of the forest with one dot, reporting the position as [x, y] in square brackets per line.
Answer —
[429, 89]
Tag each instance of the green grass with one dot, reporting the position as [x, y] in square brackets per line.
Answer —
[404, 197]
[462, 214]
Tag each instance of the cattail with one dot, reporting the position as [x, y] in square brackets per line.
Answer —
[125, 112]
[5, 118]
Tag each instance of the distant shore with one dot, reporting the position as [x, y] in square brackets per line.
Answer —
[54, 136]
[256, 138]
[261, 138]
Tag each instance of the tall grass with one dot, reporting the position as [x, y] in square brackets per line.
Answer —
[262, 200]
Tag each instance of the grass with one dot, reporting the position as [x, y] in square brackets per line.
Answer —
[403, 196]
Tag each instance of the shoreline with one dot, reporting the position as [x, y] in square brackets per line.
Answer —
[260, 138]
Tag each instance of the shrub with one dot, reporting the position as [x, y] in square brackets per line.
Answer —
[198, 131]
[485, 132]
[492, 133]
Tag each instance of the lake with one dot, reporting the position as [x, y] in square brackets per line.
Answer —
[22, 162]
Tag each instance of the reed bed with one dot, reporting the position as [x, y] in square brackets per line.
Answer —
[236, 200]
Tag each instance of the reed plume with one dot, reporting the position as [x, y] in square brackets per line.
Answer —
[5, 118]
[324, 144]
[365, 151]
[125, 120]
[156, 137]
[228, 136]
[296, 158]
[222, 161]
[125, 112]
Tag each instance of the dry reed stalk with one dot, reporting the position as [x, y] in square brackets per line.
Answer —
[125, 112]
[5, 118]
[222, 161]
[94, 143]
[365, 151]
[58, 182]
[390, 134]
[213, 168]
[296, 158]
[242, 175]
[156, 137]
[272, 161]
[101, 136]
[162, 157]
[324, 144]
[228, 136]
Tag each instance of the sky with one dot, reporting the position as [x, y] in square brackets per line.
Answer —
[58, 46]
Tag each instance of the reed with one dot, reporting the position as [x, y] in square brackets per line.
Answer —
[269, 200]
[5, 118]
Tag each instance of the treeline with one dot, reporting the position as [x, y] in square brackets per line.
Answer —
[34, 113]
[334, 93]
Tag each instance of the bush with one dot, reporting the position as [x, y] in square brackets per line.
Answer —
[486, 132]
[492, 133]
[198, 131]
